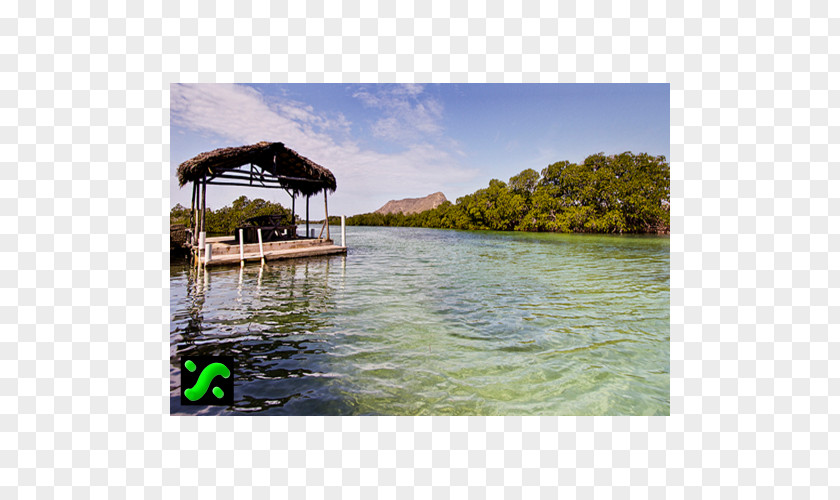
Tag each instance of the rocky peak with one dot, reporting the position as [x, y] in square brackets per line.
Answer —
[413, 205]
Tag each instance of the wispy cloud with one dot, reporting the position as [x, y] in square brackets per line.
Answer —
[407, 114]
[240, 114]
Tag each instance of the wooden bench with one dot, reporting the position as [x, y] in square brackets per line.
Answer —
[274, 228]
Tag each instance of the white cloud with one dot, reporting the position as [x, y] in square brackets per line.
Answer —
[407, 115]
[366, 178]
[243, 115]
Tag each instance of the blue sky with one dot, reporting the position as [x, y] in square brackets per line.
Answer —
[393, 141]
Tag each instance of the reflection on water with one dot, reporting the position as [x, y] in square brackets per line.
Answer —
[420, 321]
[269, 318]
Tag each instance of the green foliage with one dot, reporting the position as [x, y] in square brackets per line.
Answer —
[604, 194]
[525, 182]
[179, 215]
[226, 219]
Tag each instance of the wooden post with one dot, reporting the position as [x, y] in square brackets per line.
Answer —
[343, 232]
[192, 214]
[262, 253]
[202, 237]
[326, 214]
[307, 216]
[293, 208]
[197, 218]
[203, 203]
[241, 249]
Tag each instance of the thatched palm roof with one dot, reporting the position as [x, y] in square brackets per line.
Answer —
[264, 164]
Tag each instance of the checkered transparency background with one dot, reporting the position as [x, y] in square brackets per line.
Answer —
[84, 131]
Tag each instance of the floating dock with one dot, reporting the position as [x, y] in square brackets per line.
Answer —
[264, 165]
[225, 251]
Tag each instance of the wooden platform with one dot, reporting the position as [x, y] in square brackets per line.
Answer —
[223, 253]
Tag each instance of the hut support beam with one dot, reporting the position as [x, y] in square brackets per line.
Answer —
[203, 235]
[307, 216]
[218, 183]
[326, 215]
[197, 217]
[203, 205]
[263, 179]
[192, 214]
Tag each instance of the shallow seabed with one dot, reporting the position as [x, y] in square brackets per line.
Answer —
[436, 322]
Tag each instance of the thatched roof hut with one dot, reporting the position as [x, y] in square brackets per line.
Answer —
[264, 164]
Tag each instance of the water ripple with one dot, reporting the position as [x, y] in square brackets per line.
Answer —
[432, 322]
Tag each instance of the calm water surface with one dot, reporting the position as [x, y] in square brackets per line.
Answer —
[436, 322]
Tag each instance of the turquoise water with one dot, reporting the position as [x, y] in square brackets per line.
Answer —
[437, 322]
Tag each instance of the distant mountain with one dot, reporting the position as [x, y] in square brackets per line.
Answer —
[413, 205]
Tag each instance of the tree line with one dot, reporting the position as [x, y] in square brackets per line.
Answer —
[226, 219]
[623, 193]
